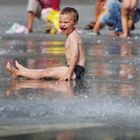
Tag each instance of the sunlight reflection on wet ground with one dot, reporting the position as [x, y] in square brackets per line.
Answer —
[108, 96]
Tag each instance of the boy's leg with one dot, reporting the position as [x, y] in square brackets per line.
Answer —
[54, 72]
[34, 10]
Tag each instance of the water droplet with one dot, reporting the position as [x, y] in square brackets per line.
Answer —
[86, 96]
[99, 41]
[136, 37]
[1, 108]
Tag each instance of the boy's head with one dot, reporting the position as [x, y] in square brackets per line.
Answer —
[68, 19]
[72, 11]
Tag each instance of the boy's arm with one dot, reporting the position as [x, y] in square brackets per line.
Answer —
[74, 56]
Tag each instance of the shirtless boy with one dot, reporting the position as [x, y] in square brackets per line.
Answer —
[74, 52]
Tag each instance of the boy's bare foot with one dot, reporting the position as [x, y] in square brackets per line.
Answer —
[19, 66]
[12, 70]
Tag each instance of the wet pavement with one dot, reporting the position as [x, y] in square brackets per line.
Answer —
[104, 105]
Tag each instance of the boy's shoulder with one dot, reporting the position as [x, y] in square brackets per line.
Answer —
[74, 35]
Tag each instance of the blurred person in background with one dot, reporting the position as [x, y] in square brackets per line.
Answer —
[99, 5]
[39, 8]
[127, 16]
[111, 15]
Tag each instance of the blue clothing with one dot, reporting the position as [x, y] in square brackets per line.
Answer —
[112, 16]
[137, 15]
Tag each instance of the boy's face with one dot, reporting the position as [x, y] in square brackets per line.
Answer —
[67, 23]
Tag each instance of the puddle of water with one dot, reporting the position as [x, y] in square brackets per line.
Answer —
[107, 96]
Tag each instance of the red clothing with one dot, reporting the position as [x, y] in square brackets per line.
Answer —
[50, 4]
[56, 4]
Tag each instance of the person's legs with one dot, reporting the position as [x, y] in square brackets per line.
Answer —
[34, 10]
[127, 13]
[113, 16]
[124, 17]
[30, 21]
[131, 13]
[21, 71]
[98, 25]
[109, 16]
[100, 9]
[99, 6]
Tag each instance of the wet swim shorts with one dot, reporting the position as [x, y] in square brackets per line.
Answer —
[79, 71]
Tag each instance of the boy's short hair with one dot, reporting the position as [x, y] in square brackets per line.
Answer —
[71, 10]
